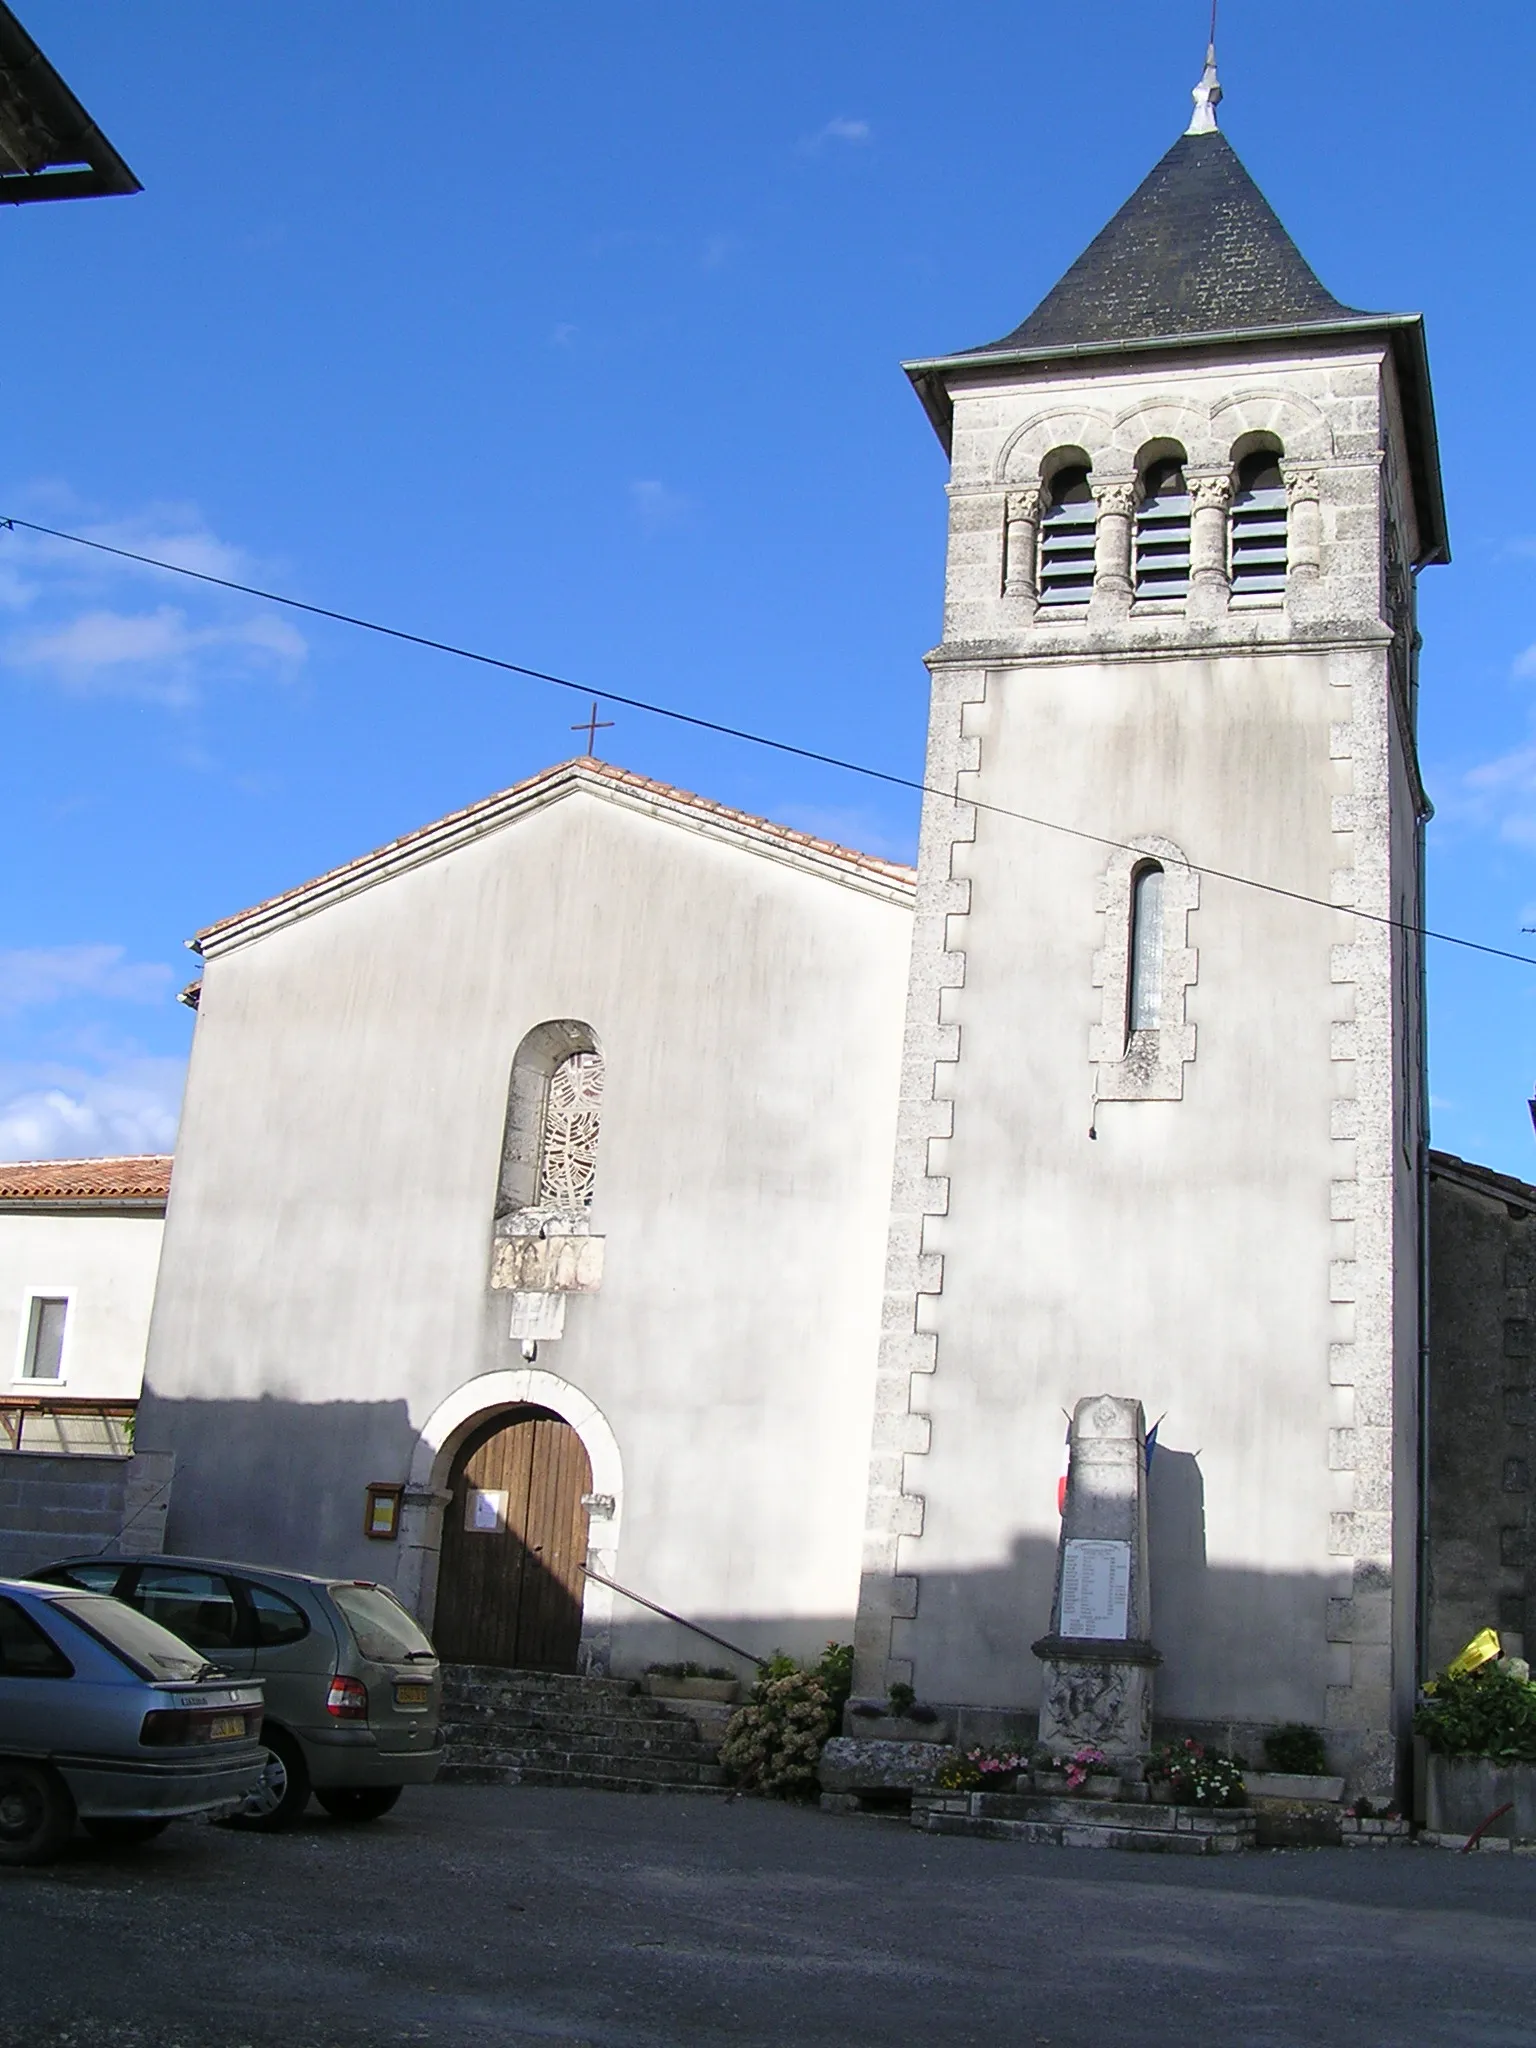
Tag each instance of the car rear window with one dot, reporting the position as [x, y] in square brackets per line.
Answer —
[380, 1626]
[90, 1578]
[142, 1644]
[26, 1651]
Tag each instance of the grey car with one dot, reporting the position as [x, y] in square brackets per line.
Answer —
[353, 1695]
[108, 1718]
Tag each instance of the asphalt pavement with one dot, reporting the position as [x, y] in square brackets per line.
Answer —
[502, 1918]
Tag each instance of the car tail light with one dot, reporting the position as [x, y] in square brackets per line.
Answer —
[347, 1699]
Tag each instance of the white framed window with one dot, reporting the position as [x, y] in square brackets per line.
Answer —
[44, 1327]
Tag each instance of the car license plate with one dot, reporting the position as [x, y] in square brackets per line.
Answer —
[413, 1695]
[227, 1728]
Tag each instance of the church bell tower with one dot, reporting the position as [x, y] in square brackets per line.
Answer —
[1162, 1130]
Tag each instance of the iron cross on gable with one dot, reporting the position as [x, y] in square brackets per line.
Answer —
[592, 726]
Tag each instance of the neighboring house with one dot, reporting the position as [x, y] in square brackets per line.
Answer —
[79, 1252]
[1481, 1441]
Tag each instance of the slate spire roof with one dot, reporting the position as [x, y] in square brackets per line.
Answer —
[1196, 259]
[1197, 249]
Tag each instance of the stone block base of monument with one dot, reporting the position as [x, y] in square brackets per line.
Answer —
[1086, 1823]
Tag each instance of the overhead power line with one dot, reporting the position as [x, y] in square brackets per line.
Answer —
[753, 739]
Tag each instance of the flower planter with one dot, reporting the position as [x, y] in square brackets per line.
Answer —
[662, 1688]
[1160, 1791]
[1000, 1781]
[1461, 1792]
[1052, 1783]
[1292, 1785]
[1099, 1785]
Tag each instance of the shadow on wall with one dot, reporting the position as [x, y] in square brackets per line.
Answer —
[279, 1483]
[283, 1483]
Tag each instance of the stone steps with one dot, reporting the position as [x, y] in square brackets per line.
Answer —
[551, 1728]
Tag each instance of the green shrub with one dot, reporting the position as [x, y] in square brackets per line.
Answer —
[901, 1699]
[1488, 1712]
[1296, 1749]
[836, 1673]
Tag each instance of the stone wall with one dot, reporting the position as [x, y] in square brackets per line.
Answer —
[53, 1507]
[1482, 1407]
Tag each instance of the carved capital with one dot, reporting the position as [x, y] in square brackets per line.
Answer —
[1115, 499]
[1211, 493]
[1303, 486]
[1024, 505]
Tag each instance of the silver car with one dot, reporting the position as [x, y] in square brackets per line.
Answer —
[351, 1682]
[108, 1717]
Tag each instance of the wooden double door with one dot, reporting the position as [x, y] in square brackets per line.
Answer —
[510, 1583]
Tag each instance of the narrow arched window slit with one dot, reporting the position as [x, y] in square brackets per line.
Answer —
[1144, 1008]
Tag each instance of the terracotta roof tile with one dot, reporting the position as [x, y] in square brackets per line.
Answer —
[140, 1179]
[575, 771]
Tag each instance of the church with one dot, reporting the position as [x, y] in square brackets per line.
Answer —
[601, 1207]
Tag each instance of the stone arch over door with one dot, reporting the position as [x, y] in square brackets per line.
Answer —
[443, 1435]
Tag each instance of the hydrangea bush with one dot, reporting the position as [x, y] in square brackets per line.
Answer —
[773, 1744]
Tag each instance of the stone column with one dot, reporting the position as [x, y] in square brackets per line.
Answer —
[1210, 581]
[1304, 541]
[1098, 1657]
[1112, 586]
[1021, 546]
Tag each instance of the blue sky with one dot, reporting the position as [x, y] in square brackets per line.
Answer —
[574, 334]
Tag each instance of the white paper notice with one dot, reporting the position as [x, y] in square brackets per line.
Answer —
[485, 1511]
[1095, 1588]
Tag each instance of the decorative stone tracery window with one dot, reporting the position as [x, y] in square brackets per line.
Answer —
[1140, 1047]
[544, 1250]
[573, 1103]
[549, 1146]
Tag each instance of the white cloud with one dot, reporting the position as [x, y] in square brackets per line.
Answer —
[656, 507]
[73, 1114]
[1524, 666]
[33, 976]
[158, 655]
[839, 129]
[1497, 795]
[90, 637]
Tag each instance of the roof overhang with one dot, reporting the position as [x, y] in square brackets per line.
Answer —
[50, 148]
[933, 378]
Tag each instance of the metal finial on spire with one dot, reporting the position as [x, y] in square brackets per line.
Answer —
[1206, 94]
